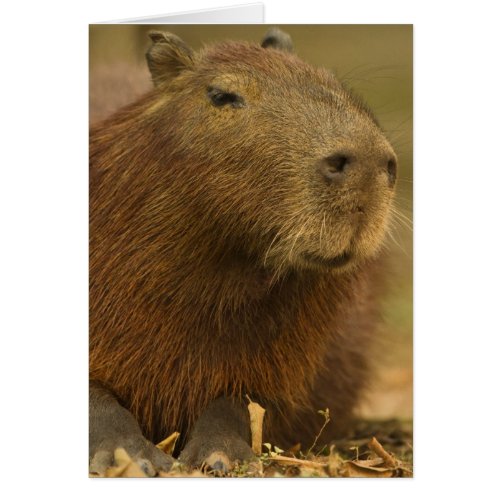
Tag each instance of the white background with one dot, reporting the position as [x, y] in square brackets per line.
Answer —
[43, 197]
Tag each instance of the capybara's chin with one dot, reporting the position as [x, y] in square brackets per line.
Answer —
[340, 262]
[338, 242]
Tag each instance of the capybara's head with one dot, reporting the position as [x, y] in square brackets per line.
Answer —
[289, 168]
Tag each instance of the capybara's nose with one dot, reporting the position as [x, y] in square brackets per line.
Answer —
[338, 166]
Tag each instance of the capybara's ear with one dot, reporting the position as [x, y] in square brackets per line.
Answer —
[277, 39]
[168, 56]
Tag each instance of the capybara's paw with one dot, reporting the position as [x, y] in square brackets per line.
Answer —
[145, 454]
[217, 453]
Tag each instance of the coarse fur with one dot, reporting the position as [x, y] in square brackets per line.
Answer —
[218, 236]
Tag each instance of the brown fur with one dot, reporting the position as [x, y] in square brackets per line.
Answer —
[200, 219]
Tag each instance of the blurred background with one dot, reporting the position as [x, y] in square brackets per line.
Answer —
[376, 61]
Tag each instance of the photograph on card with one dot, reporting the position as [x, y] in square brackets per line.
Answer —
[251, 250]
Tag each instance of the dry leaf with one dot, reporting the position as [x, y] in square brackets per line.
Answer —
[192, 473]
[256, 420]
[296, 461]
[371, 465]
[168, 444]
[371, 462]
[312, 472]
[358, 469]
[377, 448]
[125, 466]
[334, 463]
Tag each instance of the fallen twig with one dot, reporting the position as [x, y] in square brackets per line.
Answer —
[377, 448]
[297, 461]
[326, 416]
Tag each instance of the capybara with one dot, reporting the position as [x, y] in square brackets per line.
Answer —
[237, 212]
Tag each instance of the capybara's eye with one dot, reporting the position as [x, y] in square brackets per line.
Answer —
[219, 98]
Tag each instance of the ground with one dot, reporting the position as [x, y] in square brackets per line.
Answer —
[373, 449]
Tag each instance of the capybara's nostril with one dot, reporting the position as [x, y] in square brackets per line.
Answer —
[332, 167]
[336, 163]
[391, 171]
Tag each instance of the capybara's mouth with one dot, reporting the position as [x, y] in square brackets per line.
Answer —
[338, 261]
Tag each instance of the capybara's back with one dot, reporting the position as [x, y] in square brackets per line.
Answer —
[237, 211]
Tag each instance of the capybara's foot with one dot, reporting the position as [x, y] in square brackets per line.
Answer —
[218, 453]
[144, 453]
[113, 427]
[220, 437]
